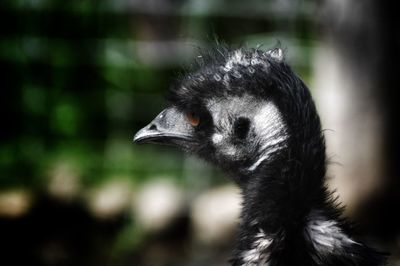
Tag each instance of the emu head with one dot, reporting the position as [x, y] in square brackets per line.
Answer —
[226, 111]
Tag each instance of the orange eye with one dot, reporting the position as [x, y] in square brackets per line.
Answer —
[194, 119]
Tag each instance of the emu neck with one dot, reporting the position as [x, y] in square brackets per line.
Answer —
[280, 201]
[277, 199]
[280, 193]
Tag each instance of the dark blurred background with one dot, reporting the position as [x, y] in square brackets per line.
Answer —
[79, 78]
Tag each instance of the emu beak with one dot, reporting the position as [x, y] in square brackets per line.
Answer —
[170, 127]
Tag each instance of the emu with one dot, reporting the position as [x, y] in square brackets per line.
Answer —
[248, 113]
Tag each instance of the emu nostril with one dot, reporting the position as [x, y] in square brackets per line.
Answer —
[153, 127]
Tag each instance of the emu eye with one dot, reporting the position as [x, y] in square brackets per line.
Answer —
[241, 127]
[193, 119]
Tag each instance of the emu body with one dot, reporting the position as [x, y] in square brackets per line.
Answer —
[248, 113]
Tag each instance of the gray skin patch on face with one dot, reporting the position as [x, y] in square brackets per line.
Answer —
[271, 128]
[267, 133]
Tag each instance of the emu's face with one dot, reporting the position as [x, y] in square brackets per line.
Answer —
[238, 131]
